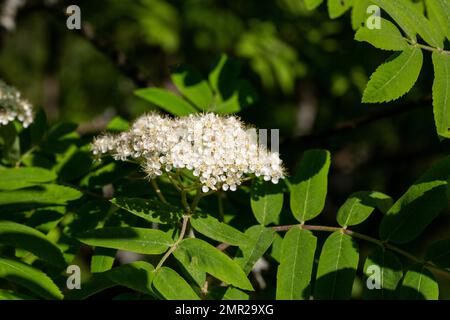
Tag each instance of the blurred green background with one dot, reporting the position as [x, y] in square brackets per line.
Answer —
[308, 72]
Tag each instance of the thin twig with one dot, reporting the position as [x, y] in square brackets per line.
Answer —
[158, 190]
[413, 43]
[184, 201]
[175, 245]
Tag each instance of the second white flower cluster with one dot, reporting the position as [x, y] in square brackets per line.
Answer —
[219, 150]
[13, 106]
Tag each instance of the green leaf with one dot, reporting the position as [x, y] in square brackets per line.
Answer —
[215, 262]
[243, 96]
[260, 240]
[439, 14]
[212, 228]
[421, 203]
[118, 124]
[74, 163]
[12, 179]
[108, 173]
[312, 4]
[411, 20]
[166, 100]
[223, 74]
[277, 248]
[139, 240]
[266, 201]
[337, 267]
[97, 283]
[419, 284]
[90, 215]
[21, 236]
[295, 269]
[137, 276]
[191, 267]
[439, 253]
[309, 185]
[388, 37]
[12, 295]
[337, 8]
[33, 279]
[394, 78]
[441, 93]
[359, 13]
[151, 210]
[10, 140]
[102, 259]
[381, 201]
[384, 271]
[360, 205]
[231, 93]
[39, 195]
[230, 293]
[192, 85]
[172, 286]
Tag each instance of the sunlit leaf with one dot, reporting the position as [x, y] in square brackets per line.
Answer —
[337, 267]
[388, 37]
[151, 210]
[139, 240]
[309, 185]
[260, 240]
[384, 272]
[172, 286]
[214, 229]
[441, 93]
[192, 85]
[295, 269]
[11, 179]
[214, 262]
[420, 204]
[266, 200]
[360, 205]
[419, 284]
[166, 100]
[394, 78]
[33, 279]
[21, 236]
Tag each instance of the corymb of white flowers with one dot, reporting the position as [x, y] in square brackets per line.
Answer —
[219, 150]
[13, 106]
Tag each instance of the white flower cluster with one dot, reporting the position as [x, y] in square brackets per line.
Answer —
[12, 106]
[217, 149]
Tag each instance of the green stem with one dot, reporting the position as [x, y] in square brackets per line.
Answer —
[173, 182]
[175, 245]
[26, 154]
[197, 198]
[364, 237]
[158, 190]
[184, 201]
[425, 47]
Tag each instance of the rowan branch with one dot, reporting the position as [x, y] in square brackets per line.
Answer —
[429, 265]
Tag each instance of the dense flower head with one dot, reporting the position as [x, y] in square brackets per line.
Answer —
[13, 106]
[219, 150]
